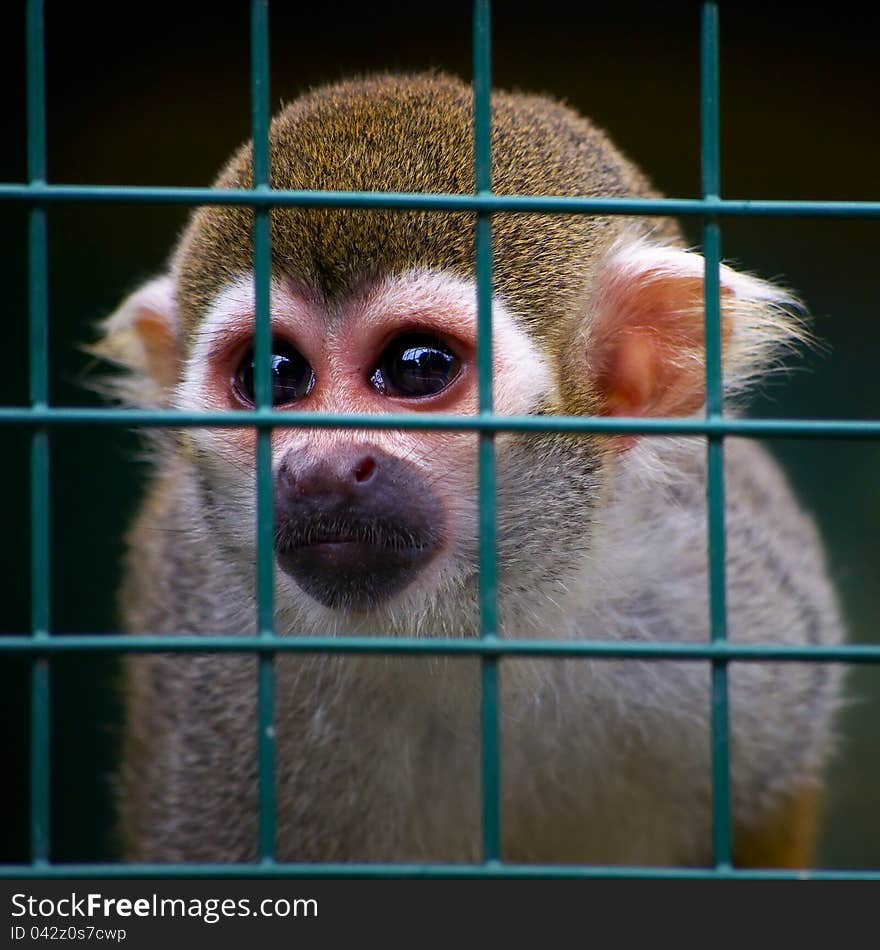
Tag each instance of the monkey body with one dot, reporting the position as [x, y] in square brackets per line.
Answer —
[604, 761]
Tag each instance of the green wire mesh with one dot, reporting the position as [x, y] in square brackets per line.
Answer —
[40, 418]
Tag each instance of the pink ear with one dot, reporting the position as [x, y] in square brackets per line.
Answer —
[142, 333]
[645, 337]
[142, 337]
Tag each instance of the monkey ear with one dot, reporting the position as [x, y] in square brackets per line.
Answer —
[644, 338]
[141, 336]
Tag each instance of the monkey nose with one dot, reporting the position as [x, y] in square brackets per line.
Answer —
[345, 474]
[355, 526]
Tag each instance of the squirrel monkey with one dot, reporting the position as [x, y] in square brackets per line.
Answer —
[376, 532]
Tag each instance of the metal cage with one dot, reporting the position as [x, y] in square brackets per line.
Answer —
[40, 419]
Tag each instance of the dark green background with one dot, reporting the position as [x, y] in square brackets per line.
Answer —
[158, 94]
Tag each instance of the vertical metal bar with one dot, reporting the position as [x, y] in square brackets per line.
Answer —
[491, 772]
[711, 174]
[38, 304]
[263, 392]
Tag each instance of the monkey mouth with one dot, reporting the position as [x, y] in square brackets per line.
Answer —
[353, 564]
[378, 534]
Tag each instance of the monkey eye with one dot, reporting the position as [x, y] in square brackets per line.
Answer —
[292, 377]
[415, 365]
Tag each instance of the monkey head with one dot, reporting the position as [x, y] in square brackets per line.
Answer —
[374, 311]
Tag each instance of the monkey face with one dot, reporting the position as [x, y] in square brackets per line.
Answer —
[365, 518]
[373, 312]
[383, 524]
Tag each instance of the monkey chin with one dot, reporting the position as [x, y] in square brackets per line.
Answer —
[353, 575]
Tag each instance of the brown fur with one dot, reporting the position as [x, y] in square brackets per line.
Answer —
[787, 835]
[423, 142]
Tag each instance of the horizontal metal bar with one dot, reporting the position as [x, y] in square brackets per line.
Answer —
[522, 204]
[437, 871]
[768, 428]
[601, 649]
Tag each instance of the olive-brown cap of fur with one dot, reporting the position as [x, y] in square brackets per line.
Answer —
[414, 133]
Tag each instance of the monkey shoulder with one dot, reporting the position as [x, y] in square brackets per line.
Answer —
[778, 576]
[177, 579]
[777, 579]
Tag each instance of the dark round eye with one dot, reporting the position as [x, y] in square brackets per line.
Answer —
[292, 377]
[415, 365]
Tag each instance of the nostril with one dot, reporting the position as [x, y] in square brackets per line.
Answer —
[286, 476]
[365, 469]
